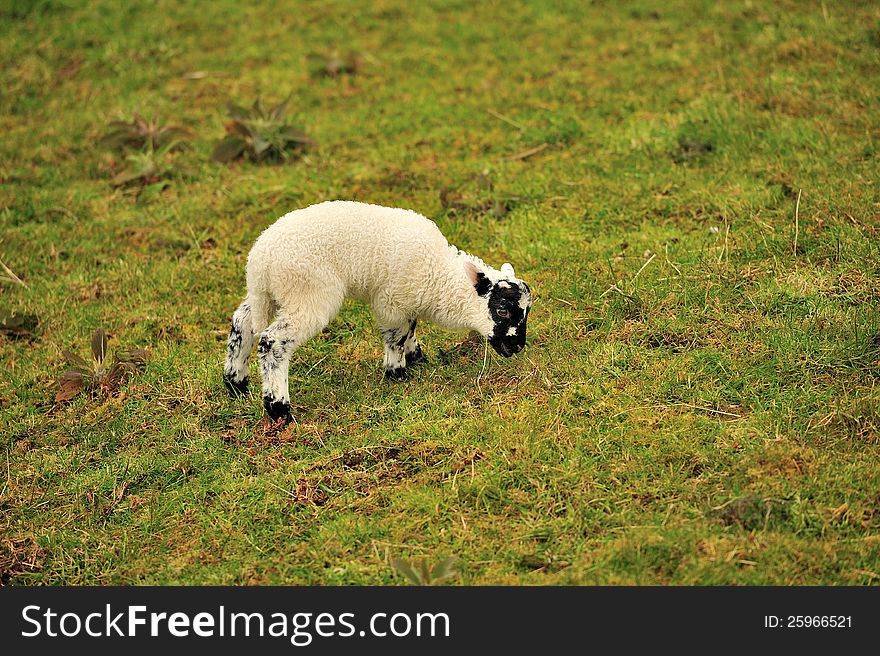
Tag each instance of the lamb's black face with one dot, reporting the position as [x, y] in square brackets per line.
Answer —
[509, 305]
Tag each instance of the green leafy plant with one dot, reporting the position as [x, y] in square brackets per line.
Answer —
[146, 167]
[420, 572]
[99, 374]
[260, 134]
[141, 132]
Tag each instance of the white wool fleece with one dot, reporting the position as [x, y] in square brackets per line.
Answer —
[396, 260]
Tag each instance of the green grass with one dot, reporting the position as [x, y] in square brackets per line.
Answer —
[698, 403]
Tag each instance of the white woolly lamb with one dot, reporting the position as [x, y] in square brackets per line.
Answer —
[308, 262]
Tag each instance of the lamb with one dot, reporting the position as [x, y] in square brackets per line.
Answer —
[302, 268]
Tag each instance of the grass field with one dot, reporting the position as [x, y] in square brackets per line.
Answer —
[689, 188]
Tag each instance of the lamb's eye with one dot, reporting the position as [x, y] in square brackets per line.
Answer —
[501, 312]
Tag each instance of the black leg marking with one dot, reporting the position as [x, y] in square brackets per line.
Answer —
[269, 357]
[235, 388]
[277, 409]
[396, 374]
[416, 357]
[409, 333]
[234, 341]
[395, 337]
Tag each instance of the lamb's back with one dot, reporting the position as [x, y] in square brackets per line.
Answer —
[363, 246]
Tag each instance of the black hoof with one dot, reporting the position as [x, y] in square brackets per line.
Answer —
[416, 357]
[397, 374]
[235, 388]
[277, 409]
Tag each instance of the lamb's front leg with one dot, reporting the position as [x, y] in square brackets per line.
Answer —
[412, 349]
[395, 338]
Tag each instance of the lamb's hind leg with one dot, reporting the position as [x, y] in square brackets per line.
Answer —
[238, 350]
[290, 331]
[277, 343]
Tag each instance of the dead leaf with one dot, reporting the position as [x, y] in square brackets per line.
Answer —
[99, 345]
[70, 384]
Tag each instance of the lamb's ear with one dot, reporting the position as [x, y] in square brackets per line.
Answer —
[507, 269]
[471, 269]
[478, 279]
